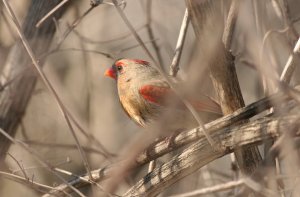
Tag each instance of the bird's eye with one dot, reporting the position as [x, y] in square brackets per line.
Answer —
[119, 68]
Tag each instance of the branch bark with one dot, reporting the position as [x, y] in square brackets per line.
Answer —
[17, 71]
[162, 147]
[201, 153]
[208, 25]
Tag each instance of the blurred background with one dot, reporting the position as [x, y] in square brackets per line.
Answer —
[76, 71]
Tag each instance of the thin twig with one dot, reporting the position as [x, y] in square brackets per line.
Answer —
[77, 49]
[174, 67]
[150, 31]
[98, 175]
[41, 167]
[38, 157]
[213, 189]
[290, 65]
[84, 179]
[20, 166]
[73, 26]
[230, 24]
[40, 22]
[25, 181]
[287, 20]
[117, 38]
[64, 146]
[44, 78]
[134, 46]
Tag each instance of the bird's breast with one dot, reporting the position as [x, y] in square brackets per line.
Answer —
[137, 108]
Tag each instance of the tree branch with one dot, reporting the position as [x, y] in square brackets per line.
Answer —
[14, 98]
[201, 153]
[162, 147]
[207, 22]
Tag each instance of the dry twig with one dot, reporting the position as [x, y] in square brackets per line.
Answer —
[50, 13]
[40, 160]
[174, 67]
[213, 189]
[37, 67]
[290, 65]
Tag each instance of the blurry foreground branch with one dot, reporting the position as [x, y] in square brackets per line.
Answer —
[17, 72]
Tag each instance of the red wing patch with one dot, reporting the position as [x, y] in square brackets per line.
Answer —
[160, 96]
[155, 94]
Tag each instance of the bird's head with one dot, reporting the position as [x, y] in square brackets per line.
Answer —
[126, 68]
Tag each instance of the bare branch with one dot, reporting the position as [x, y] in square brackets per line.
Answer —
[207, 22]
[290, 65]
[117, 38]
[20, 166]
[50, 13]
[40, 160]
[37, 67]
[213, 189]
[200, 153]
[150, 31]
[230, 24]
[162, 147]
[25, 181]
[174, 67]
[74, 25]
[15, 96]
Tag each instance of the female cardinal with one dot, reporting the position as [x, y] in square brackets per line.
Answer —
[146, 97]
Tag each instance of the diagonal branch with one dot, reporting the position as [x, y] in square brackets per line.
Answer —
[201, 153]
[290, 66]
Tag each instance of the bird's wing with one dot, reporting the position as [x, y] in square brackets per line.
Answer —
[163, 95]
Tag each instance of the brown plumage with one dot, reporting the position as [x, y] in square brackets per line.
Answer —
[147, 98]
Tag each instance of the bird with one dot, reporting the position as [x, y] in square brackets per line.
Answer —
[148, 99]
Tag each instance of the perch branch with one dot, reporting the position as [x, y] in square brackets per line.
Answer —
[201, 153]
[162, 147]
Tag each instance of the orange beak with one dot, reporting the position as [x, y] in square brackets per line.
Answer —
[110, 73]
